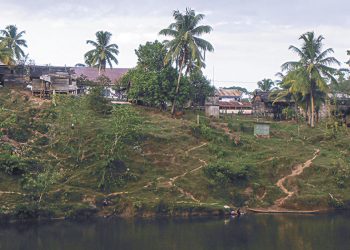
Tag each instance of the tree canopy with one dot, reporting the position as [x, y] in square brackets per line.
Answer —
[13, 40]
[311, 74]
[186, 49]
[104, 52]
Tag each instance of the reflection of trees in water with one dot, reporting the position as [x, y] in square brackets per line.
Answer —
[258, 232]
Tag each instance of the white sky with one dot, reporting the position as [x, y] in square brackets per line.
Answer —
[250, 37]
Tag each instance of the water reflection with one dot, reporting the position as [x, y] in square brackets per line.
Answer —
[248, 232]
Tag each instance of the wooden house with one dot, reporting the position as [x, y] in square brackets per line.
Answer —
[263, 105]
[54, 83]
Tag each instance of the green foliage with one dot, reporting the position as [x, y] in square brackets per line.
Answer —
[39, 182]
[228, 172]
[153, 83]
[97, 102]
[12, 165]
[104, 52]
[200, 88]
[266, 84]
[243, 90]
[115, 174]
[288, 113]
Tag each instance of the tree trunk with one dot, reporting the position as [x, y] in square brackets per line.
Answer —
[177, 86]
[312, 122]
[296, 111]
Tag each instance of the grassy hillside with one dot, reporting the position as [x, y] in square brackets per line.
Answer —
[65, 158]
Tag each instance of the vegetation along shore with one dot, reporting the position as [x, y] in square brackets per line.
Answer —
[160, 140]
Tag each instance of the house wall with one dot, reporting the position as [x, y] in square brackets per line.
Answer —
[212, 111]
[236, 111]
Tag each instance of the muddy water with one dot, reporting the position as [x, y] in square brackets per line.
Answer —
[248, 232]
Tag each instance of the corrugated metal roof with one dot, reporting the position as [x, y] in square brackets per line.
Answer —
[92, 73]
[228, 92]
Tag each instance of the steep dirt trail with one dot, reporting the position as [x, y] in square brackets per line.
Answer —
[277, 207]
[298, 170]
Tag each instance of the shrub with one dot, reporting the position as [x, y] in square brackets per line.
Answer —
[228, 172]
[18, 134]
[97, 102]
[12, 165]
[115, 174]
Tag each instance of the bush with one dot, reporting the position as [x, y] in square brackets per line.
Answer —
[12, 165]
[97, 102]
[18, 134]
[115, 174]
[228, 172]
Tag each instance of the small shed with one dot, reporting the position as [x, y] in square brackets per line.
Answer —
[212, 107]
[262, 129]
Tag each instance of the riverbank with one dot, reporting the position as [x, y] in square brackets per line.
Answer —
[56, 161]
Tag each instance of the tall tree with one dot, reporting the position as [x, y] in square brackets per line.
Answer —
[103, 51]
[312, 73]
[186, 49]
[266, 84]
[13, 40]
[151, 82]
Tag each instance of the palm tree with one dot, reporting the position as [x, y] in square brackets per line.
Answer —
[6, 54]
[186, 49]
[312, 73]
[103, 53]
[13, 40]
[266, 85]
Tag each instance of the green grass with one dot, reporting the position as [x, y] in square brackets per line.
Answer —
[162, 155]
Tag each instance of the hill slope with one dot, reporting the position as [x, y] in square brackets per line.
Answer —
[61, 158]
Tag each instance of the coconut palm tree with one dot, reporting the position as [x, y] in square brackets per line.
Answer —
[266, 85]
[312, 73]
[13, 40]
[186, 49]
[103, 51]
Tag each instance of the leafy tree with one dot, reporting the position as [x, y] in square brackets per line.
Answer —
[6, 54]
[200, 88]
[266, 85]
[13, 40]
[186, 49]
[151, 81]
[103, 51]
[243, 90]
[312, 73]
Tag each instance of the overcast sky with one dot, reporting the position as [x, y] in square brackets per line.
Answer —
[250, 37]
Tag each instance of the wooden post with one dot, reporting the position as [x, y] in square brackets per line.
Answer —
[197, 119]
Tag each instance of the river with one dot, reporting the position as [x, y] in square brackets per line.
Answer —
[251, 231]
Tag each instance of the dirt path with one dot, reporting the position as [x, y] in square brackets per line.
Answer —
[194, 148]
[277, 207]
[298, 170]
[10, 192]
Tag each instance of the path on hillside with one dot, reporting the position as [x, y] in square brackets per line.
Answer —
[277, 207]
[298, 170]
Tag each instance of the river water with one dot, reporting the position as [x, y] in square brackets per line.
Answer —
[247, 232]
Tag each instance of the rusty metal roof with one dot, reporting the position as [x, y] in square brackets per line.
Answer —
[228, 92]
[92, 73]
